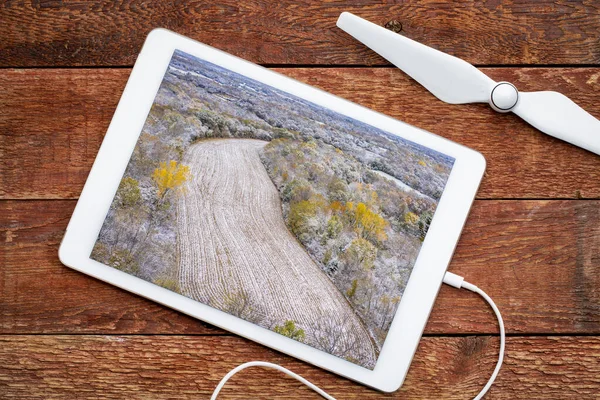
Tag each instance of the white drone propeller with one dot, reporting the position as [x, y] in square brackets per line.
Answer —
[455, 81]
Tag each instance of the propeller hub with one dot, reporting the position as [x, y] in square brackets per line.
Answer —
[504, 97]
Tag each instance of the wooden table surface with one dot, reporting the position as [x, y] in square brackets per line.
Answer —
[532, 240]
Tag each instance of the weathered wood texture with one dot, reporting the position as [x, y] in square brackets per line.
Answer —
[539, 260]
[188, 367]
[76, 33]
[54, 121]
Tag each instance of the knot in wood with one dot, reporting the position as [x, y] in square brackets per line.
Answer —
[394, 26]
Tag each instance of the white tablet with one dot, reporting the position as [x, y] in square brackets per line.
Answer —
[273, 210]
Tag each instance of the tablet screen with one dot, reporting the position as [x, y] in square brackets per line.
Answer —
[273, 209]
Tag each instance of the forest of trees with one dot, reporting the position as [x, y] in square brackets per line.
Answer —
[360, 200]
[138, 234]
[360, 227]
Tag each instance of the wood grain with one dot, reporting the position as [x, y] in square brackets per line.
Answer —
[54, 120]
[188, 367]
[105, 33]
[39, 294]
[539, 260]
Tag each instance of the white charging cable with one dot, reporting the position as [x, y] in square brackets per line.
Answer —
[273, 366]
[460, 283]
[449, 279]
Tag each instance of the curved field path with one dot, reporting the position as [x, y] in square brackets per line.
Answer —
[236, 253]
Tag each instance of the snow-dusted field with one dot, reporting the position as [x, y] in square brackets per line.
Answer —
[236, 253]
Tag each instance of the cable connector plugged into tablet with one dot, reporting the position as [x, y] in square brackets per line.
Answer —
[458, 282]
[453, 280]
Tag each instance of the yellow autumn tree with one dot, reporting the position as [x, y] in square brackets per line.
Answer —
[170, 176]
[367, 223]
[411, 218]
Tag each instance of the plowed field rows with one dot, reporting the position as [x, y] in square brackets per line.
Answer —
[237, 255]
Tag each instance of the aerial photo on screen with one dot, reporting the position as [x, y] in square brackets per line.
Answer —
[273, 209]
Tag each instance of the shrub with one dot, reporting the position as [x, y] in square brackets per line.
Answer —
[301, 192]
[242, 305]
[327, 256]
[286, 192]
[296, 190]
[411, 218]
[352, 291]
[289, 329]
[334, 227]
[128, 193]
[337, 207]
[337, 190]
[300, 215]
[361, 253]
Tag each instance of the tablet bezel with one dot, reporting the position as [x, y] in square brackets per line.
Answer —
[425, 280]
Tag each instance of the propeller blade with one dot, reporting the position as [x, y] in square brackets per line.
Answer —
[557, 115]
[448, 78]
